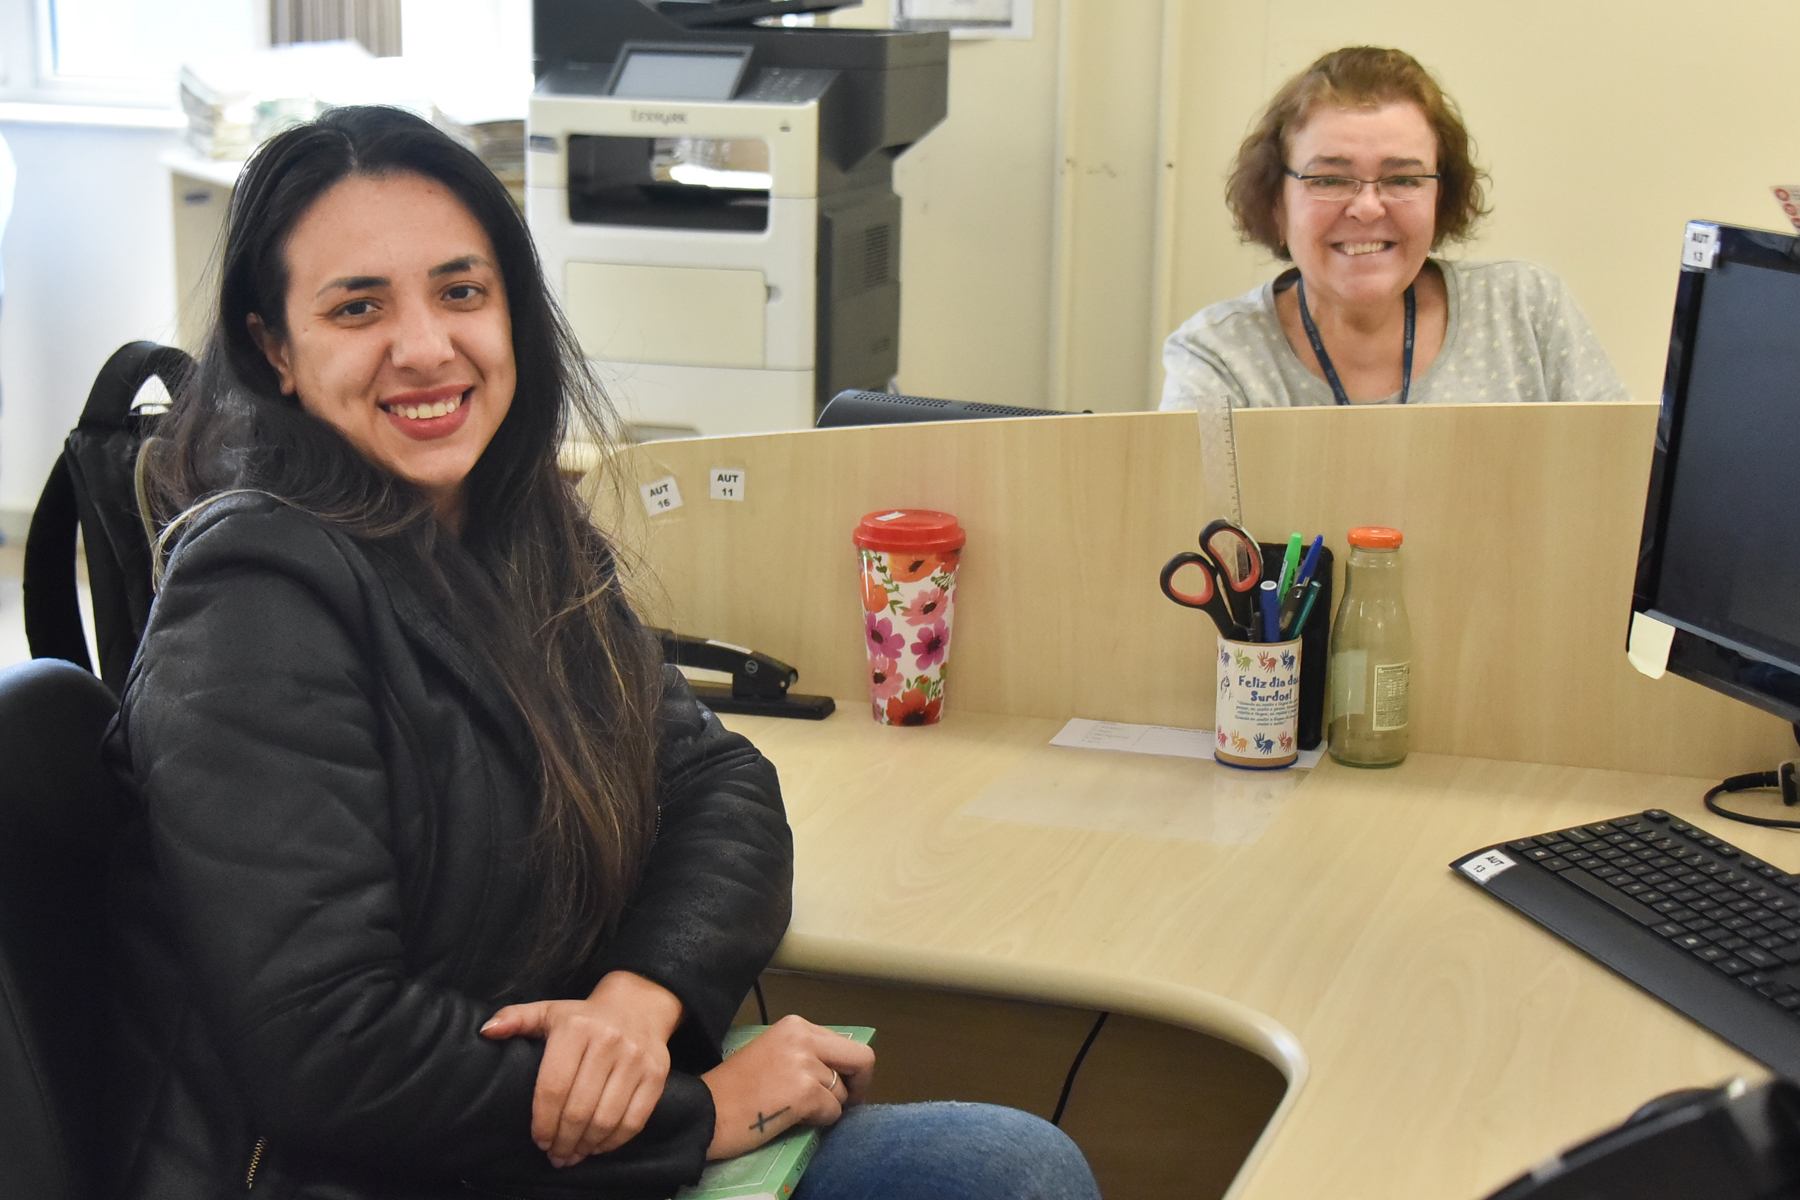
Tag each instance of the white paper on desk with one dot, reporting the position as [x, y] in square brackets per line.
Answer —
[1083, 734]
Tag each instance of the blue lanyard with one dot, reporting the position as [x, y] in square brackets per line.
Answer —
[1331, 375]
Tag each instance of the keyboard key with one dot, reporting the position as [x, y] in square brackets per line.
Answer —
[1771, 943]
[1710, 953]
[1556, 863]
[1758, 957]
[1638, 870]
[1731, 877]
[1754, 864]
[1635, 889]
[1700, 925]
[1691, 879]
[1791, 1001]
[1680, 826]
[1606, 872]
[1725, 850]
[1732, 966]
[1655, 814]
[1655, 878]
[1668, 929]
[1734, 942]
[1779, 904]
[1601, 830]
[1538, 853]
[1742, 885]
[1665, 906]
[1587, 882]
[1686, 895]
[1687, 941]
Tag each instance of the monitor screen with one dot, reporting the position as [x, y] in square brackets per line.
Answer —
[646, 74]
[1721, 556]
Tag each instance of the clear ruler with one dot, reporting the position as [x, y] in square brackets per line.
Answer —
[1219, 464]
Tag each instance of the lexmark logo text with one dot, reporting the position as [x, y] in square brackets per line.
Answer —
[655, 117]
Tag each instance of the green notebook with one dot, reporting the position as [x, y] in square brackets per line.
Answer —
[772, 1171]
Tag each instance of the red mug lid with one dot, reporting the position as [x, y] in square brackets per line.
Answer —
[1375, 537]
[909, 529]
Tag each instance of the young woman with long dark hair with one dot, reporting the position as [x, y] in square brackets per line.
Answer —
[433, 878]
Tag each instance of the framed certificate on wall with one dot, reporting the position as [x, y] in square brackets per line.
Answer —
[966, 18]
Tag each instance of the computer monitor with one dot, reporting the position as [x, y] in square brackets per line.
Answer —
[1720, 556]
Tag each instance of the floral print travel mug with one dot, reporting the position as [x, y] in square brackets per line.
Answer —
[909, 562]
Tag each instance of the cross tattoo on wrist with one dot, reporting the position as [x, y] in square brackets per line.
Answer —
[761, 1124]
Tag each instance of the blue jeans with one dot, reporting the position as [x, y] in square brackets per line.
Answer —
[945, 1151]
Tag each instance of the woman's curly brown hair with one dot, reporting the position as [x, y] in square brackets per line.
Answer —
[1354, 77]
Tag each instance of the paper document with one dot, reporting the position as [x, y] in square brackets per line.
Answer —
[1166, 740]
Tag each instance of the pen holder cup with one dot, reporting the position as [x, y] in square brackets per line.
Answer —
[1314, 638]
[1257, 705]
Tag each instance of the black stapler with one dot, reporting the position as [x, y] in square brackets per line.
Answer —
[759, 684]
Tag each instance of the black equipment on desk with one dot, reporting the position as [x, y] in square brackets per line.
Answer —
[759, 684]
[1707, 929]
[1720, 555]
[1726, 1143]
[855, 407]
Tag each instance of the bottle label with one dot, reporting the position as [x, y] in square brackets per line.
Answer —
[1390, 688]
[1349, 683]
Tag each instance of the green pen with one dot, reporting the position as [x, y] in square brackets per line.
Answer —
[1289, 565]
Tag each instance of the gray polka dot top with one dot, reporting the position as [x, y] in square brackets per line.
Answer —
[1513, 333]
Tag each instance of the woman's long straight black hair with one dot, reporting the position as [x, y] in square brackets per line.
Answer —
[532, 583]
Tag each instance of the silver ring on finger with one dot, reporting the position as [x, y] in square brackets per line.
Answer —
[832, 1086]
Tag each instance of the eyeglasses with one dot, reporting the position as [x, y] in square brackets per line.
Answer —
[1341, 189]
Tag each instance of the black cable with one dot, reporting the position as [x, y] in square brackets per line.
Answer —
[1744, 783]
[1062, 1101]
[762, 1006]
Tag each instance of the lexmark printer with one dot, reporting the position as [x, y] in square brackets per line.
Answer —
[713, 200]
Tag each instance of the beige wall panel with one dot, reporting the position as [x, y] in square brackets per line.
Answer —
[1058, 584]
[1522, 524]
[1513, 657]
[1607, 125]
[1102, 264]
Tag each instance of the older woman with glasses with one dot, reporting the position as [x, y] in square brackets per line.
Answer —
[1359, 169]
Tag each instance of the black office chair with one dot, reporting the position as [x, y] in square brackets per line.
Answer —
[57, 812]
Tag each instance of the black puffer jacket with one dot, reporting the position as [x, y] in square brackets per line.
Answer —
[320, 890]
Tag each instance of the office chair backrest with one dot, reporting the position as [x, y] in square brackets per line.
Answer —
[95, 485]
[57, 811]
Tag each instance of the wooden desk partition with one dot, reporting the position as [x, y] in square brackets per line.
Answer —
[1521, 526]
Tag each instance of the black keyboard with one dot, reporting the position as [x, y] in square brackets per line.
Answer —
[1706, 928]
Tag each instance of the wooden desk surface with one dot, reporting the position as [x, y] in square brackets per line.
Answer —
[1436, 1042]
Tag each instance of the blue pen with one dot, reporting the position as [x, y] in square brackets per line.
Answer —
[1271, 611]
[1311, 563]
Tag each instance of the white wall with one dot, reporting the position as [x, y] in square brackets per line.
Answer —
[89, 265]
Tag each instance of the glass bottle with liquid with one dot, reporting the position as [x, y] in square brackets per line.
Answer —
[1371, 655]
